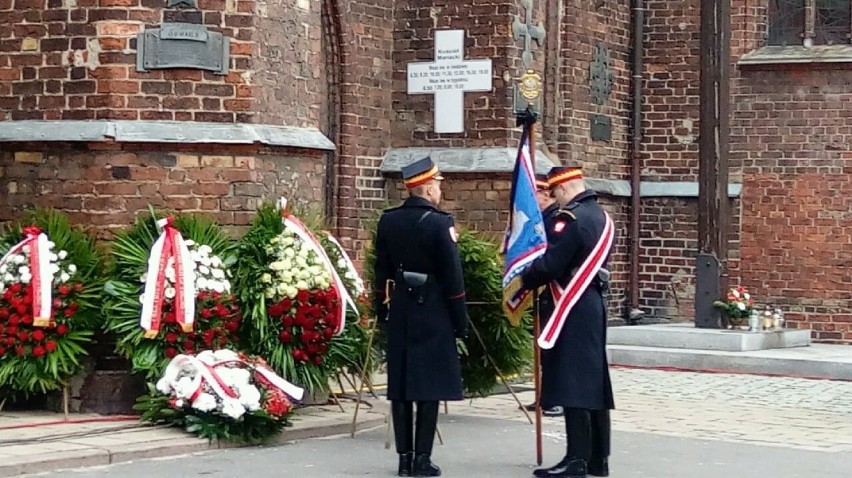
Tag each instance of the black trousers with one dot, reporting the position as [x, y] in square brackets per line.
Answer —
[588, 433]
[411, 437]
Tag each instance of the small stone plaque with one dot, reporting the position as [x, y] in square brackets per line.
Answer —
[601, 128]
[183, 45]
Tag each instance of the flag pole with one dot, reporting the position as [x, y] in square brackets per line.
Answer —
[530, 124]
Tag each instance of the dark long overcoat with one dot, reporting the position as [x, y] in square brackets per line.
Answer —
[421, 323]
[575, 372]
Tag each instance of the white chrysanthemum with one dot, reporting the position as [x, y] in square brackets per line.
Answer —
[54, 269]
[201, 283]
[203, 269]
[26, 278]
[277, 266]
[269, 293]
[64, 277]
[218, 287]
[302, 285]
[225, 354]
[249, 397]
[163, 386]
[232, 408]
[216, 262]
[72, 268]
[205, 261]
[218, 273]
[266, 278]
[741, 306]
[282, 288]
[289, 252]
[170, 293]
[184, 387]
[189, 242]
[205, 250]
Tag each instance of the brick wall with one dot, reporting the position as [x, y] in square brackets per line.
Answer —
[289, 79]
[489, 120]
[670, 129]
[583, 27]
[77, 60]
[106, 186]
[791, 129]
[366, 41]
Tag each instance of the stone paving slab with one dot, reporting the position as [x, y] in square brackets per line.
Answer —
[44, 443]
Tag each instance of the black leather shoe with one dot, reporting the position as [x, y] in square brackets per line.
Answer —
[423, 466]
[599, 467]
[555, 411]
[573, 468]
[542, 472]
[406, 461]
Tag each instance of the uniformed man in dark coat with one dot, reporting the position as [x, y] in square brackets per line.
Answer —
[421, 302]
[548, 206]
[576, 376]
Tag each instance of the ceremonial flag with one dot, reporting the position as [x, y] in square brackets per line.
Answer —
[525, 238]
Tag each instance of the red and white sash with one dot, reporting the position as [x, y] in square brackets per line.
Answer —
[169, 245]
[42, 277]
[567, 298]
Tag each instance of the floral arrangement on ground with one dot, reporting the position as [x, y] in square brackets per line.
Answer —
[221, 395]
[49, 285]
[169, 291]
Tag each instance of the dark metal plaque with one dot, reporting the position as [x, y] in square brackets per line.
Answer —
[183, 45]
[601, 128]
[600, 74]
[183, 3]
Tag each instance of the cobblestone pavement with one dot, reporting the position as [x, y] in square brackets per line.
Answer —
[769, 411]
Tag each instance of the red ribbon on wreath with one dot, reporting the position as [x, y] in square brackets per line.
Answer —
[169, 245]
[42, 278]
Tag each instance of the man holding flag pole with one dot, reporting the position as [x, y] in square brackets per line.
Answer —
[577, 375]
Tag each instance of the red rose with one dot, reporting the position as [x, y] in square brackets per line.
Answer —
[57, 304]
[14, 320]
[275, 310]
[4, 313]
[73, 306]
[171, 337]
[69, 312]
[50, 346]
[27, 320]
[302, 296]
[216, 295]
[318, 360]
[306, 338]
[188, 346]
[221, 310]
[206, 313]
[10, 341]
[61, 329]
[78, 287]
[20, 351]
[38, 351]
[21, 308]
[232, 326]
[170, 317]
[323, 348]
[171, 352]
[287, 304]
[202, 295]
[2, 351]
[23, 336]
[37, 335]
[285, 337]
[313, 349]
[64, 289]
[328, 333]
[15, 289]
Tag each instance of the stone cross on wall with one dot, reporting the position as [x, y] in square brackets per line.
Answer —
[449, 77]
[529, 32]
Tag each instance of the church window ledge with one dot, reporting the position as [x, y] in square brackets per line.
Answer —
[839, 56]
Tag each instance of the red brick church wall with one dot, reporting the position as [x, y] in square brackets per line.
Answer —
[790, 132]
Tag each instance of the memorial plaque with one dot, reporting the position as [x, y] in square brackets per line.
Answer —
[183, 45]
[601, 128]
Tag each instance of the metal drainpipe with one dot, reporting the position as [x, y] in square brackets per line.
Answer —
[635, 314]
